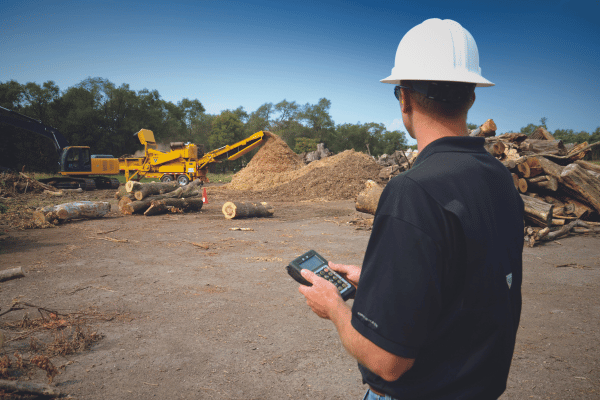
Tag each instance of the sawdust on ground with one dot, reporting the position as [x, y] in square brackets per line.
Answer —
[277, 173]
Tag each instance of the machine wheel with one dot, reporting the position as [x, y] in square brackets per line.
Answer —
[183, 180]
[167, 178]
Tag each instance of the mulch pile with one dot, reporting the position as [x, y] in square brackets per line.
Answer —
[278, 173]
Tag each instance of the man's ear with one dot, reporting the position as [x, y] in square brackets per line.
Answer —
[405, 101]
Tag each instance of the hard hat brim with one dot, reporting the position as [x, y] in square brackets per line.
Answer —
[463, 76]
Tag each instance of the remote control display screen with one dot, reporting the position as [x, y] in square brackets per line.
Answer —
[311, 263]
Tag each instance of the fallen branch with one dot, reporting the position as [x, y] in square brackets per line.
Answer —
[38, 389]
[546, 235]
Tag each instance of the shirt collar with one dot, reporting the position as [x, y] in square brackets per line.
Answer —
[461, 144]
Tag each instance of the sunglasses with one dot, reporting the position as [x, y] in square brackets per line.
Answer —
[397, 90]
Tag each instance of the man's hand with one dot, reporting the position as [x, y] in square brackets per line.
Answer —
[322, 297]
[350, 272]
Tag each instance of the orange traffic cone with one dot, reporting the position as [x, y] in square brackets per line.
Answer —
[204, 197]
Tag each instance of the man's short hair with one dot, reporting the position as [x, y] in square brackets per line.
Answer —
[446, 99]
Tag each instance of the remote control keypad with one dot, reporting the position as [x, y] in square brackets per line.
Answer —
[332, 277]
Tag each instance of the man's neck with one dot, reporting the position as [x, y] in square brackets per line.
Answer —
[427, 130]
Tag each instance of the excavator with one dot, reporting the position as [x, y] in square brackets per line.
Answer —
[184, 162]
[79, 168]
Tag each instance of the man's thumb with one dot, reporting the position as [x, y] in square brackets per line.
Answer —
[307, 274]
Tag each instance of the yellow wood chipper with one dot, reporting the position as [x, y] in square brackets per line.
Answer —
[184, 162]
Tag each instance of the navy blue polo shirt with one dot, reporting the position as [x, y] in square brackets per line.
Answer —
[441, 278]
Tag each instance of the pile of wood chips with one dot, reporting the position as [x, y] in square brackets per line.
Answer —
[265, 170]
[279, 174]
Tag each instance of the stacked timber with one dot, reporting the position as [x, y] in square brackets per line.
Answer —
[153, 198]
[560, 190]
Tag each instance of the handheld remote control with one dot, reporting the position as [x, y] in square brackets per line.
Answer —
[314, 262]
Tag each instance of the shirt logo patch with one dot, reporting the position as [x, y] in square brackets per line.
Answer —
[509, 280]
[372, 324]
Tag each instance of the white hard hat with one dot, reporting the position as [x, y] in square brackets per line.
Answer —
[437, 50]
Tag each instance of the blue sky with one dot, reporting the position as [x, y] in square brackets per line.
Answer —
[543, 56]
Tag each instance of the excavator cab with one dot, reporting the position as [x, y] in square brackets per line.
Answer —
[76, 159]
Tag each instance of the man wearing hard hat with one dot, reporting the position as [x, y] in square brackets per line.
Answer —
[439, 300]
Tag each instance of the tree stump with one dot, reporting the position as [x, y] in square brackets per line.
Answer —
[246, 209]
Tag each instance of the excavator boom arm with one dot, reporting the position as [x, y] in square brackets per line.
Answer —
[33, 125]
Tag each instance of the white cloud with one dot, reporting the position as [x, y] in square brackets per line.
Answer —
[396, 125]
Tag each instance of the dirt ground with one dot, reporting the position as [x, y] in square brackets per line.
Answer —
[201, 311]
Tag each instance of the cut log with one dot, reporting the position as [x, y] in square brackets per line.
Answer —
[536, 146]
[191, 189]
[131, 186]
[541, 133]
[368, 199]
[12, 273]
[153, 188]
[185, 205]
[496, 148]
[122, 192]
[578, 152]
[538, 211]
[581, 185]
[523, 185]
[550, 168]
[139, 206]
[523, 169]
[156, 208]
[515, 180]
[235, 209]
[75, 210]
[535, 167]
[488, 128]
[510, 164]
[544, 182]
[588, 165]
[513, 137]
[123, 202]
[38, 389]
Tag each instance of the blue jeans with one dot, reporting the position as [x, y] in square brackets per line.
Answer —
[373, 396]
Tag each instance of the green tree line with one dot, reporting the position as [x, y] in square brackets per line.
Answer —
[98, 114]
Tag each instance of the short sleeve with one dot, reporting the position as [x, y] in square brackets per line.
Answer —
[398, 300]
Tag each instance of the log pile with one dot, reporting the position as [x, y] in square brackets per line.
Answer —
[556, 185]
[560, 190]
[393, 164]
[153, 198]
